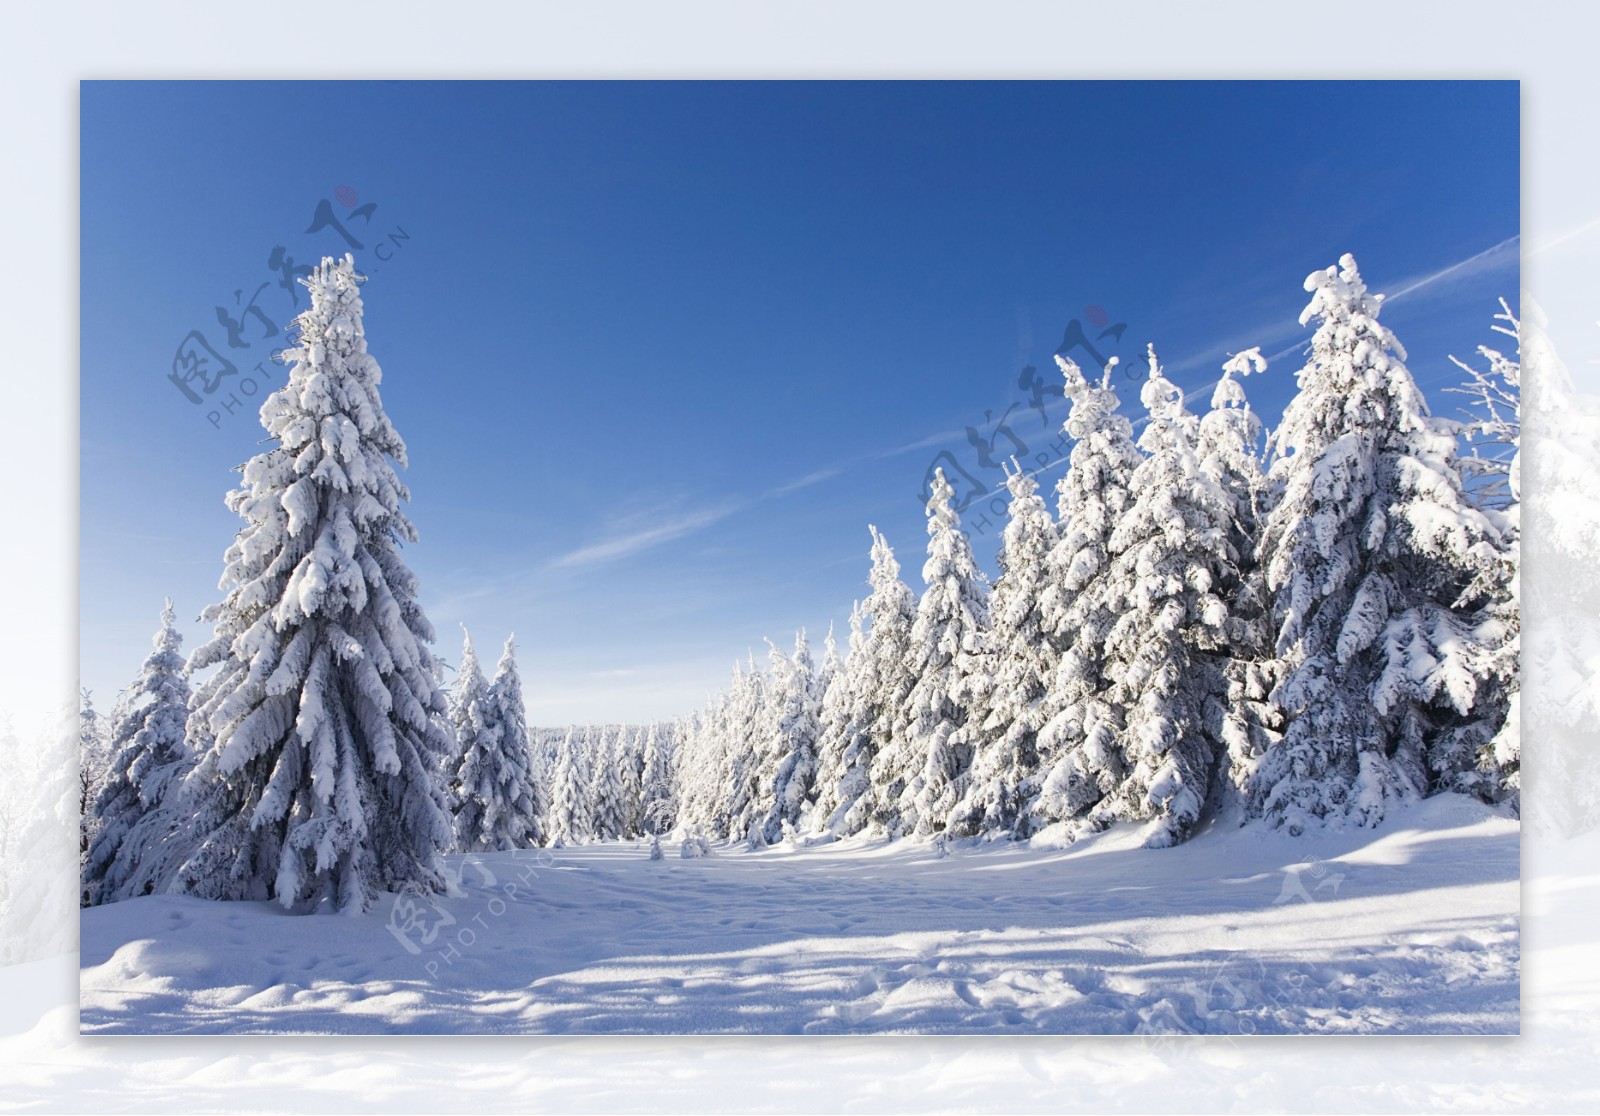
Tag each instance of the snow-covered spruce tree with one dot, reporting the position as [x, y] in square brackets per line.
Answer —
[672, 738]
[541, 772]
[1228, 445]
[878, 761]
[710, 768]
[1077, 746]
[946, 654]
[1375, 561]
[749, 715]
[1229, 450]
[1020, 663]
[699, 767]
[1494, 425]
[826, 669]
[1494, 475]
[105, 724]
[585, 812]
[570, 820]
[93, 759]
[149, 757]
[607, 782]
[630, 745]
[727, 753]
[1561, 513]
[657, 811]
[605, 786]
[794, 747]
[468, 713]
[833, 725]
[685, 764]
[497, 812]
[764, 713]
[322, 734]
[36, 822]
[1173, 570]
[722, 755]
[505, 697]
[557, 820]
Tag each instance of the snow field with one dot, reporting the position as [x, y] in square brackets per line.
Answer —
[1412, 929]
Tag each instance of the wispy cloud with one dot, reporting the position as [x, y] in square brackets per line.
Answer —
[1501, 256]
[641, 531]
[666, 524]
[1506, 254]
[1279, 329]
[1562, 238]
[805, 482]
[938, 439]
[1297, 347]
[664, 527]
[1282, 328]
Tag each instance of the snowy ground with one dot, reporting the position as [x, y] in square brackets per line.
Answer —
[1409, 929]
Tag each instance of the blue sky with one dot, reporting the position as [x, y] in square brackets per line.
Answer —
[660, 352]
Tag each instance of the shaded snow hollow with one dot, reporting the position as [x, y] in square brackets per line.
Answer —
[1409, 928]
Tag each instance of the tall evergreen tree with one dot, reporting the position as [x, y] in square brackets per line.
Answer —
[826, 668]
[1560, 509]
[1494, 472]
[590, 751]
[1493, 429]
[795, 741]
[1004, 776]
[630, 745]
[136, 812]
[570, 820]
[1229, 450]
[700, 766]
[878, 761]
[605, 786]
[1371, 555]
[749, 710]
[946, 653]
[505, 694]
[1174, 568]
[1078, 743]
[657, 810]
[93, 761]
[468, 713]
[834, 723]
[321, 735]
[497, 812]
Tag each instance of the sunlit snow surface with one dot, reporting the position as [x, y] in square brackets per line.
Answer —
[1409, 929]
